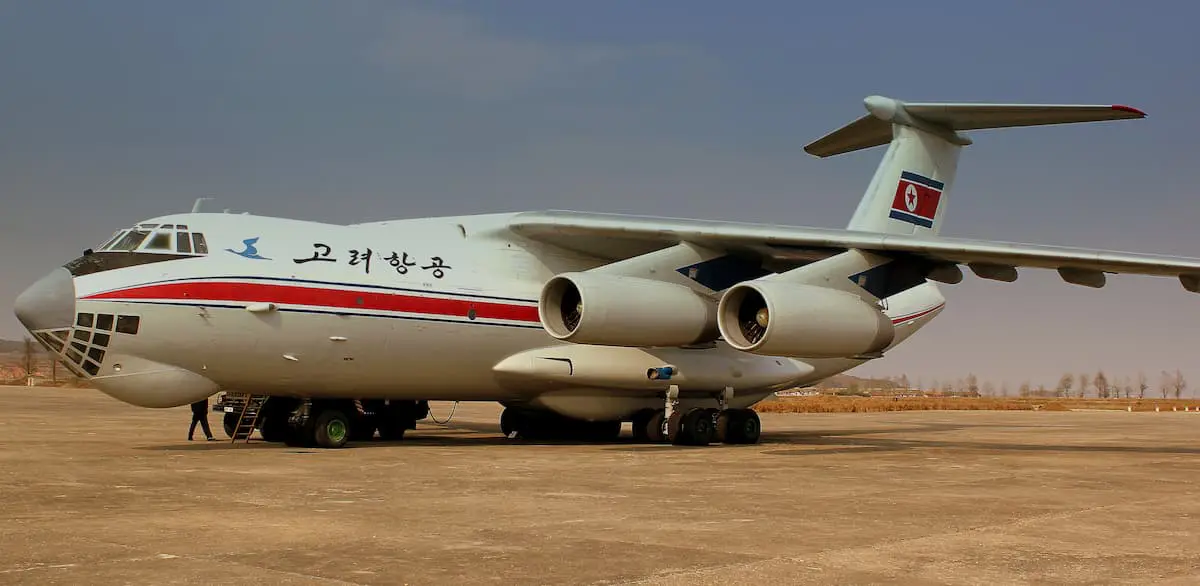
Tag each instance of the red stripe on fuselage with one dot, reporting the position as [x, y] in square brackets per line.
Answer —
[320, 297]
[905, 318]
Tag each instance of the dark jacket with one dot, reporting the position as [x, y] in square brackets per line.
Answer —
[200, 407]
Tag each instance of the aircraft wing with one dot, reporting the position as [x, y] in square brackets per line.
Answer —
[610, 236]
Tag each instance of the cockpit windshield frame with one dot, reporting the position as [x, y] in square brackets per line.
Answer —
[130, 240]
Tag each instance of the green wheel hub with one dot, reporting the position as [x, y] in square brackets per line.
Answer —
[336, 430]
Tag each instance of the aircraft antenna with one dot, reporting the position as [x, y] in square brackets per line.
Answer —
[196, 204]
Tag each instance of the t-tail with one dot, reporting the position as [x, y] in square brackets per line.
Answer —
[909, 191]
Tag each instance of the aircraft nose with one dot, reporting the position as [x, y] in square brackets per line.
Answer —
[49, 303]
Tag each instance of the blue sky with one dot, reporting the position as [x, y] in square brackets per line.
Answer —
[353, 111]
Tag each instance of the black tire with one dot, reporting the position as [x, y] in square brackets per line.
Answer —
[229, 422]
[332, 429]
[742, 426]
[274, 427]
[675, 427]
[695, 428]
[513, 421]
[654, 427]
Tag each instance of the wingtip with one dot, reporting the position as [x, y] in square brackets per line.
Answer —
[1130, 109]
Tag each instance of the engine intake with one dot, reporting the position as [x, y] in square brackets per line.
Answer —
[786, 319]
[613, 310]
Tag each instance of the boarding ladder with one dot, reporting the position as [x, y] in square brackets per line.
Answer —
[251, 410]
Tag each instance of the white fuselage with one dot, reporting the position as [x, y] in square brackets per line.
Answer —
[412, 309]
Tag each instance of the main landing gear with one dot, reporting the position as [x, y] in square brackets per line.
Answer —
[683, 427]
[700, 426]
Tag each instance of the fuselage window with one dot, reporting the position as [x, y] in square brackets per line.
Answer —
[131, 240]
[199, 246]
[181, 226]
[183, 243]
[104, 322]
[160, 241]
[128, 324]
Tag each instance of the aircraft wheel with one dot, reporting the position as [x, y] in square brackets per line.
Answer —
[332, 429]
[739, 426]
[675, 427]
[513, 421]
[229, 422]
[694, 428]
[274, 427]
[654, 427]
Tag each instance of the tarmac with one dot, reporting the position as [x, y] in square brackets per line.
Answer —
[98, 492]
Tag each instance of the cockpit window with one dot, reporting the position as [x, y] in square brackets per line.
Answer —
[183, 243]
[199, 246]
[142, 244]
[131, 240]
[160, 241]
[110, 241]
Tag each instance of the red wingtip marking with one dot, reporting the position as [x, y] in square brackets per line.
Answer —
[1128, 109]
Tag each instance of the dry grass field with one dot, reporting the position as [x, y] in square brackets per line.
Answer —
[835, 404]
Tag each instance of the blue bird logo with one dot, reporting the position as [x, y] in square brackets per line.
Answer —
[250, 251]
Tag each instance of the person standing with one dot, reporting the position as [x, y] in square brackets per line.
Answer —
[200, 415]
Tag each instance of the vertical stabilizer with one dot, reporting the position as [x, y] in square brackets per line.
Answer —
[909, 191]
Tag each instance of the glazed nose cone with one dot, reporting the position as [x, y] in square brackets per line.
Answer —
[49, 303]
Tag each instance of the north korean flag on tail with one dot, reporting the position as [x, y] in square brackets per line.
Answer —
[917, 199]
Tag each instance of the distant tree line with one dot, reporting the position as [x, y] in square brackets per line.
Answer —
[1082, 385]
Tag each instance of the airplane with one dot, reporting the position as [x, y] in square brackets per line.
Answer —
[574, 322]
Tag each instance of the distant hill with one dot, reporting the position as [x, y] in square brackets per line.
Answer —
[13, 346]
[846, 381]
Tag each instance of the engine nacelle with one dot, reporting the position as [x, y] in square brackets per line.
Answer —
[612, 310]
[787, 319]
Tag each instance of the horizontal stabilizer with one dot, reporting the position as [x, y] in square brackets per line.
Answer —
[945, 120]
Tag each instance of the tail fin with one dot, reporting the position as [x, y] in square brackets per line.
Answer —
[908, 193]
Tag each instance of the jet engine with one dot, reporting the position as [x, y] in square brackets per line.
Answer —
[613, 310]
[788, 319]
